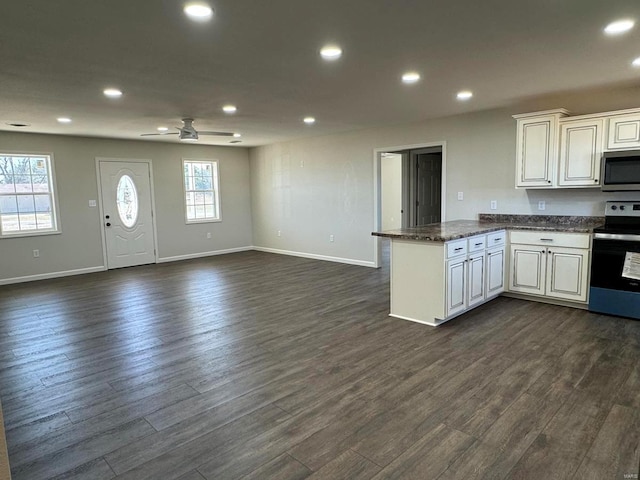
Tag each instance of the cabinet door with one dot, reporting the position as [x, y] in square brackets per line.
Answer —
[476, 279]
[456, 286]
[495, 272]
[536, 151]
[567, 273]
[527, 271]
[624, 132]
[580, 153]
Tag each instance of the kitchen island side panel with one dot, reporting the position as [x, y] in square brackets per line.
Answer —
[418, 281]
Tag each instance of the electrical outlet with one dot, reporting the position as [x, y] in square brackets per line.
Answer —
[279, 233]
[460, 195]
[92, 203]
[301, 163]
[331, 238]
[208, 234]
[36, 254]
[494, 204]
[541, 205]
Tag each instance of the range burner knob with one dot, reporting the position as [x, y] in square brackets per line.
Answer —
[621, 207]
[613, 207]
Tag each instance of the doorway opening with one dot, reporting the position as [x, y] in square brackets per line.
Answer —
[409, 188]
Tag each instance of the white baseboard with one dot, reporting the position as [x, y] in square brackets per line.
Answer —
[102, 268]
[46, 276]
[191, 256]
[361, 263]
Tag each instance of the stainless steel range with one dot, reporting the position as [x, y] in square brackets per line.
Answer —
[615, 265]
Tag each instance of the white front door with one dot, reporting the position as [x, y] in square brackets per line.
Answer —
[127, 213]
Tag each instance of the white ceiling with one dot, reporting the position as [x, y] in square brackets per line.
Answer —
[56, 57]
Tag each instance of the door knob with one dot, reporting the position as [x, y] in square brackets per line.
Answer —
[108, 224]
[107, 217]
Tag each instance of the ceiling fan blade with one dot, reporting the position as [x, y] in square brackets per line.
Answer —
[220, 134]
[154, 134]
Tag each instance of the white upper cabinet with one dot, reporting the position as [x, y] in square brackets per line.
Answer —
[624, 132]
[556, 151]
[580, 152]
[537, 148]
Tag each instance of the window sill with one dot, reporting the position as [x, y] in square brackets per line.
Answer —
[29, 234]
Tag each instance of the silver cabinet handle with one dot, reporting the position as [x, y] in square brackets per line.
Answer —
[546, 239]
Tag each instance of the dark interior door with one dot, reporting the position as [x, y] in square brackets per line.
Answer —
[428, 187]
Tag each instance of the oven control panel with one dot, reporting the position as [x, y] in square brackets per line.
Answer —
[622, 209]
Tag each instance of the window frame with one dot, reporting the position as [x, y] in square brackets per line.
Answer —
[215, 182]
[53, 194]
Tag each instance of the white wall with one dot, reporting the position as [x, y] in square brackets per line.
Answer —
[315, 187]
[79, 246]
[391, 191]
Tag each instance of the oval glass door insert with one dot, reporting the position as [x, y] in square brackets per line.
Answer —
[127, 201]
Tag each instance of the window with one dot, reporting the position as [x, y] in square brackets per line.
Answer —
[27, 199]
[201, 188]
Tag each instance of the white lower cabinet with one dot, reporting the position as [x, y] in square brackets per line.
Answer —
[456, 286]
[551, 265]
[470, 268]
[476, 278]
[495, 272]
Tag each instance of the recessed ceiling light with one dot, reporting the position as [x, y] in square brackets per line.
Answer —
[309, 120]
[64, 120]
[112, 93]
[464, 95]
[237, 135]
[163, 129]
[331, 52]
[18, 124]
[636, 62]
[198, 11]
[410, 77]
[229, 109]
[618, 27]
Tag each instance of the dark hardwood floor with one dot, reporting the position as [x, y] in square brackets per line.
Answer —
[260, 366]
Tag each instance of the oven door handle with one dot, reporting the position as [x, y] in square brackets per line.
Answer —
[617, 236]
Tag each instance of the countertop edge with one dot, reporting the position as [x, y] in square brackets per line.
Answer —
[493, 228]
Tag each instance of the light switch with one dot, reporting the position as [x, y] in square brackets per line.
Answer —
[460, 195]
[92, 203]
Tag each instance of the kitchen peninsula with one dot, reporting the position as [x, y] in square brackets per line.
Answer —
[442, 270]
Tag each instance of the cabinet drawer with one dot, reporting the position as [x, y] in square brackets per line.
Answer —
[476, 243]
[495, 239]
[457, 247]
[555, 239]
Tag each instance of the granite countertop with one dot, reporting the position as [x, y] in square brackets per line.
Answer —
[443, 232]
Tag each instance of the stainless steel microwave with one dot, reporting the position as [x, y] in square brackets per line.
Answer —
[620, 171]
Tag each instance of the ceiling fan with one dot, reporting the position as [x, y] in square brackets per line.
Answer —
[188, 133]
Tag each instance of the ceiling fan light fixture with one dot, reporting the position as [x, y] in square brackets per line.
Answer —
[198, 11]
